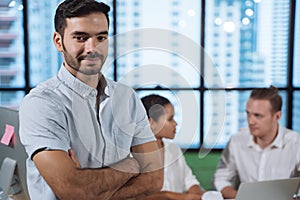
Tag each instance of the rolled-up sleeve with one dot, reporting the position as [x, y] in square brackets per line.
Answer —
[42, 124]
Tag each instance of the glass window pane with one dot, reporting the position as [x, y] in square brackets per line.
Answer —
[11, 52]
[225, 115]
[296, 111]
[168, 38]
[11, 44]
[108, 67]
[296, 71]
[44, 60]
[11, 99]
[248, 41]
[187, 112]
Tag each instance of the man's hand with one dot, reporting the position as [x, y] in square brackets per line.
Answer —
[151, 173]
[228, 192]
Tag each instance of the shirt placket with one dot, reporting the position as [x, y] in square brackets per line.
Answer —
[262, 168]
[101, 143]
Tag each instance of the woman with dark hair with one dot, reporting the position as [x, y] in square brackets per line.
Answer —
[179, 182]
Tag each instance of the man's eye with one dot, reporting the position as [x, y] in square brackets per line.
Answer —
[81, 38]
[258, 116]
[101, 38]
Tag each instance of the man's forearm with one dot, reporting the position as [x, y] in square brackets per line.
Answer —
[68, 181]
[100, 183]
[141, 186]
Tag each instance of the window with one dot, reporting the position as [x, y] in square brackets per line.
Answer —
[167, 57]
[206, 63]
[43, 56]
[12, 82]
[296, 70]
[257, 57]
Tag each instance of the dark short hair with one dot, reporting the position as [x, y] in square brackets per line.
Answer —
[153, 104]
[77, 8]
[270, 94]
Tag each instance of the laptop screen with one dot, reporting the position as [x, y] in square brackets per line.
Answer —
[281, 189]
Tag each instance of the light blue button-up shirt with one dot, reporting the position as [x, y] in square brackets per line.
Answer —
[61, 113]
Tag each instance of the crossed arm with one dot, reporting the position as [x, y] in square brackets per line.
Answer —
[121, 180]
[150, 179]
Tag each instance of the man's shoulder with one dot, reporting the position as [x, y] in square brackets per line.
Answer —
[288, 131]
[290, 134]
[45, 86]
[44, 91]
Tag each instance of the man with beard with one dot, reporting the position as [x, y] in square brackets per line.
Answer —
[86, 136]
[264, 151]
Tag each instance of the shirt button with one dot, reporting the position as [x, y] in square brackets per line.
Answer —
[94, 93]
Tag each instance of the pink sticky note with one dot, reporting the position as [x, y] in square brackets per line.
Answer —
[8, 134]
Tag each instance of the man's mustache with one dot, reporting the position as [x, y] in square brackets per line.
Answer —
[91, 56]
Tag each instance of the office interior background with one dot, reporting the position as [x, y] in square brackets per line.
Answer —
[204, 55]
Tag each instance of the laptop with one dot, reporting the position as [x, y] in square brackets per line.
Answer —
[281, 189]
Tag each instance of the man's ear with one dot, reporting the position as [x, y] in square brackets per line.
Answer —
[278, 115]
[57, 39]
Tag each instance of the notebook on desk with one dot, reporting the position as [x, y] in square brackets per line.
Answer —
[283, 189]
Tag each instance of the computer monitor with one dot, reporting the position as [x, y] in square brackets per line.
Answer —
[15, 151]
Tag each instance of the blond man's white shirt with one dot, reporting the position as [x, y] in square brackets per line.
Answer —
[244, 159]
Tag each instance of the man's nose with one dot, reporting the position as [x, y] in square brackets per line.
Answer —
[91, 44]
[250, 119]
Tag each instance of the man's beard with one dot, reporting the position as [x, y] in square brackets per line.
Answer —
[74, 64]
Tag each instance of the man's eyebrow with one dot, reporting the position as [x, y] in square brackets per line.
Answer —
[85, 33]
[103, 33]
[79, 33]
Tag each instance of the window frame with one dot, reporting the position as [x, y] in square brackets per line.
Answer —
[290, 89]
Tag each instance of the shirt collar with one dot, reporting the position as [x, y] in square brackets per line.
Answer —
[75, 84]
[251, 142]
[277, 143]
